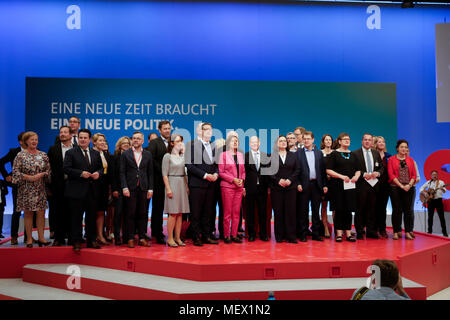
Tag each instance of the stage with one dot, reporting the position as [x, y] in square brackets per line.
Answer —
[312, 270]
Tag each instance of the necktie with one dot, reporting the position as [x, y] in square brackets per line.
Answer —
[86, 156]
[75, 142]
[369, 163]
[257, 161]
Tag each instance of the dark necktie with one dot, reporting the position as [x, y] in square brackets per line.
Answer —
[75, 142]
[87, 157]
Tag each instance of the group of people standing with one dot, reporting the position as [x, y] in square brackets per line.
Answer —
[188, 180]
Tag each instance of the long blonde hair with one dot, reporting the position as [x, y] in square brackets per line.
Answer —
[375, 140]
[119, 143]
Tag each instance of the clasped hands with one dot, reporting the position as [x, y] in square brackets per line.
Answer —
[88, 175]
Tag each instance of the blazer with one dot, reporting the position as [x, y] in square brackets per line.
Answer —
[158, 149]
[252, 176]
[129, 171]
[377, 164]
[228, 170]
[319, 165]
[57, 181]
[198, 164]
[290, 169]
[74, 164]
[394, 166]
[9, 157]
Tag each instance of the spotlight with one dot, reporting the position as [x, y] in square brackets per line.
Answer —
[407, 4]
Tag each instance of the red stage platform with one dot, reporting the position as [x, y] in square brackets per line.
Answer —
[426, 260]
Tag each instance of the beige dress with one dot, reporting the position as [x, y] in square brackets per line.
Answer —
[173, 167]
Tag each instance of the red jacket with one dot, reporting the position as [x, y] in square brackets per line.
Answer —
[394, 165]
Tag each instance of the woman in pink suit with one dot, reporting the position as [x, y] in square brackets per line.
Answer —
[232, 174]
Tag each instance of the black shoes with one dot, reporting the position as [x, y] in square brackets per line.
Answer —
[236, 240]
[93, 245]
[198, 243]
[264, 238]
[227, 240]
[77, 247]
[303, 238]
[317, 238]
[372, 235]
[251, 238]
[45, 244]
[210, 241]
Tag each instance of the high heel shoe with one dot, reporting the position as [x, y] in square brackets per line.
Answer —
[29, 245]
[408, 236]
[45, 244]
[180, 243]
[395, 236]
[172, 245]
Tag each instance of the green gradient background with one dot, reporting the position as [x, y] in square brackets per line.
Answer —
[322, 107]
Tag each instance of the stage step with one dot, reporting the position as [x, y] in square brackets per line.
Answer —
[125, 285]
[17, 289]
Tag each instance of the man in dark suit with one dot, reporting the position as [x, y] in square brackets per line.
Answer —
[256, 188]
[58, 178]
[83, 166]
[158, 148]
[136, 178]
[312, 183]
[203, 173]
[371, 166]
[74, 126]
[9, 158]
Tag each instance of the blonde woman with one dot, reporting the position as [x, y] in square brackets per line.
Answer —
[123, 144]
[379, 144]
[103, 184]
[31, 168]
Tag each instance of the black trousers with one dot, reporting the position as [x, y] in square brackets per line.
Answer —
[136, 214]
[380, 207]
[256, 200]
[217, 201]
[119, 221]
[284, 207]
[156, 223]
[201, 204]
[62, 217]
[365, 215]
[436, 204]
[401, 207]
[2, 211]
[78, 207]
[312, 195]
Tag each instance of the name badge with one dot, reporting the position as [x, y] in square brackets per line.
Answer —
[376, 164]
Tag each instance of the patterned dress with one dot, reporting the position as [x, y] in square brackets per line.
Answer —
[31, 195]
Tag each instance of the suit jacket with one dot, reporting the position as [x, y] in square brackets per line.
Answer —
[57, 181]
[9, 157]
[198, 164]
[319, 165]
[253, 175]
[74, 164]
[129, 171]
[228, 171]
[377, 165]
[290, 169]
[158, 149]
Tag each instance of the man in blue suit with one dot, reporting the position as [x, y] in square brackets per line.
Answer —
[312, 183]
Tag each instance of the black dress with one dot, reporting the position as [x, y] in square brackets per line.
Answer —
[343, 201]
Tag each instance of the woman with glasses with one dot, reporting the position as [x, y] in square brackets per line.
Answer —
[402, 176]
[343, 167]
